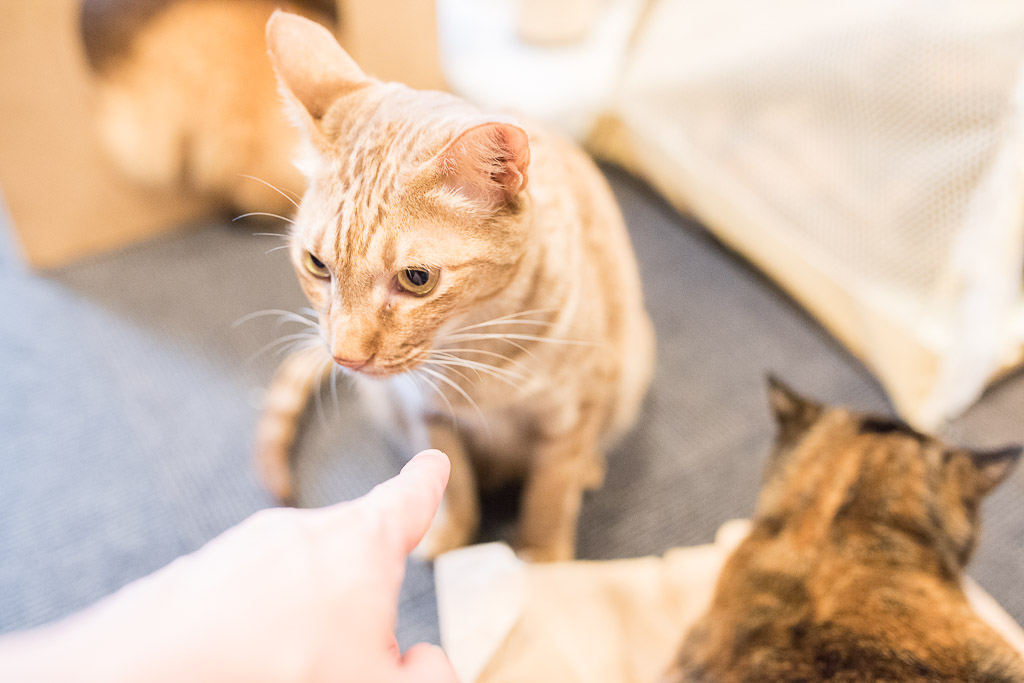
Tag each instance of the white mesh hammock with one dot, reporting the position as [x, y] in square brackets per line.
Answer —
[868, 156]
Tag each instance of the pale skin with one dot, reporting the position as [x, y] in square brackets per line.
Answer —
[288, 596]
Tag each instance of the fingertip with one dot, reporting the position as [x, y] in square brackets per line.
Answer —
[427, 663]
[409, 501]
[434, 462]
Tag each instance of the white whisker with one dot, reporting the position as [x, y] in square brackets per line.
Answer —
[512, 382]
[301, 336]
[507, 341]
[495, 323]
[521, 337]
[298, 345]
[282, 314]
[334, 386]
[508, 318]
[457, 372]
[485, 352]
[478, 367]
[451, 361]
[454, 385]
[451, 408]
[469, 362]
[273, 187]
[263, 213]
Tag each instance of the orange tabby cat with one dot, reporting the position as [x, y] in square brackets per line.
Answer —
[852, 568]
[185, 96]
[483, 257]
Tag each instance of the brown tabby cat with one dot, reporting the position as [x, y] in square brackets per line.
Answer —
[852, 569]
[485, 258]
[185, 96]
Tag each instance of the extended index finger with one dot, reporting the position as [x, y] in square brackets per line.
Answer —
[408, 501]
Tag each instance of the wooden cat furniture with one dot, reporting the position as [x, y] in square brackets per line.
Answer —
[65, 199]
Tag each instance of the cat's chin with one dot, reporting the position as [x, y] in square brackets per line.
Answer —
[378, 373]
[381, 372]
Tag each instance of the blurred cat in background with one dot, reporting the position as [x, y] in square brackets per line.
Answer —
[185, 96]
[476, 277]
[853, 567]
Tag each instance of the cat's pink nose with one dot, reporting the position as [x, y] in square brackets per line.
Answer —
[352, 364]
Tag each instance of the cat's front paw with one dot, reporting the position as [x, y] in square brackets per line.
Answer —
[556, 552]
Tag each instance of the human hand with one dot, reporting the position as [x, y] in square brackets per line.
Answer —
[288, 596]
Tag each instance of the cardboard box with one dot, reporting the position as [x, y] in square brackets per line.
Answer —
[66, 200]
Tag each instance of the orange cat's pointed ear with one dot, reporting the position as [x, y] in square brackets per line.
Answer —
[310, 65]
[487, 163]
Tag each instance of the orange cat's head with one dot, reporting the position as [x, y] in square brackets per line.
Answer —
[836, 472]
[415, 210]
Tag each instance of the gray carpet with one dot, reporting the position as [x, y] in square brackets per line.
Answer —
[128, 400]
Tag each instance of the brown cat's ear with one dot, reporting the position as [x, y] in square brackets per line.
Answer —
[310, 65]
[789, 407]
[487, 163]
[994, 466]
[793, 413]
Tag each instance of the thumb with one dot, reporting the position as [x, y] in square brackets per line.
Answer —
[426, 663]
[410, 500]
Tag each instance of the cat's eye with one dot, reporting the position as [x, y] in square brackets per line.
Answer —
[418, 281]
[315, 266]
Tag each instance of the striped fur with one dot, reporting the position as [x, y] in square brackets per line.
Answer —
[299, 375]
[533, 351]
[852, 569]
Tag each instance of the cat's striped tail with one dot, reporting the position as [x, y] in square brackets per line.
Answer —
[299, 376]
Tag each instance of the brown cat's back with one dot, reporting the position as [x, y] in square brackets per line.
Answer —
[853, 568]
[844, 624]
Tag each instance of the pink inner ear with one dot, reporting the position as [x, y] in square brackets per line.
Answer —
[488, 162]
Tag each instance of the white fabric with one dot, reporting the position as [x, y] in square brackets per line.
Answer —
[481, 593]
[567, 86]
[869, 156]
